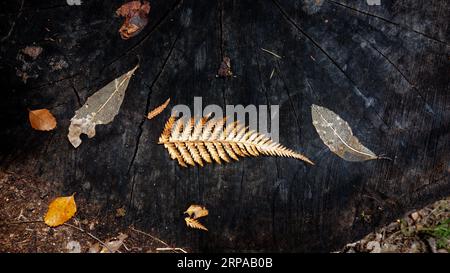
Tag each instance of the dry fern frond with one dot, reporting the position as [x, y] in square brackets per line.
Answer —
[206, 140]
[158, 109]
[192, 223]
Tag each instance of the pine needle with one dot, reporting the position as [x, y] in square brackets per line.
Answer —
[271, 53]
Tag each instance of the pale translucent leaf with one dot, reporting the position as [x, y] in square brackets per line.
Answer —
[338, 136]
[100, 108]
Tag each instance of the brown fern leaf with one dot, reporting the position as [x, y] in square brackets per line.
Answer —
[205, 140]
[192, 223]
[158, 109]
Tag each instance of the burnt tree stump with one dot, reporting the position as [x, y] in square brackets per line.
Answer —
[384, 69]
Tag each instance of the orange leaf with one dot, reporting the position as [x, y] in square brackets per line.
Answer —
[158, 109]
[196, 211]
[42, 120]
[194, 224]
[60, 211]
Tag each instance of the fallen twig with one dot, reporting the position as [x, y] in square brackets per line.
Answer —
[92, 236]
[66, 224]
[24, 222]
[174, 249]
[167, 248]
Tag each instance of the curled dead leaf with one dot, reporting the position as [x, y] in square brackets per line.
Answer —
[42, 120]
[114, 245]
[60, 211]
[196, 211]
[136, 18]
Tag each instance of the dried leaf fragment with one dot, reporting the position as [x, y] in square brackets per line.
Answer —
[60, 211]
[95, 248]
[121, 212]
[204, 140]
[158, 109]
[73, 247]
[100, 108]
[196, 211]
[225, 68]
[338, 135]
[192, 223]
[32, 51]
[136, 18]
[42, 120]
[114, 245]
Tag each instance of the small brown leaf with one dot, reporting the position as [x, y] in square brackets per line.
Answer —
[32, 51]
[136, 18]
[60, 211]
[121, 212]
[192, 223]
[225, 68]
[42, 120]
[113, 246]
[158, 109]
[196, 211]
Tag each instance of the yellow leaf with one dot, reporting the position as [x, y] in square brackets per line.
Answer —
[158, 109]
[196, 211]
[194, 224]
[42, 120]
[60, 211]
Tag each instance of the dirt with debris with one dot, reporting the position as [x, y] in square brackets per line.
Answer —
[24, 203]
[25, 200]
[424, 230]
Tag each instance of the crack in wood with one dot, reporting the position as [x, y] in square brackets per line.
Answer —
[411, 84]
[241, 183]
[221, 40]
[174, 7]
[54, 82]
[388, 21]
[11, 29]
[36, 10]
[141, 129]
[221, 43]
[77, 95]
[356, 89]
[286, 88]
